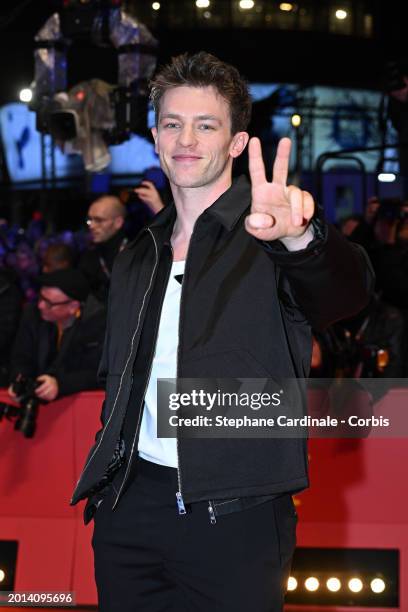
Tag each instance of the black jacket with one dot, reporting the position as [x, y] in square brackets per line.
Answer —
[75, 365]
[97, 261]
[246, 311]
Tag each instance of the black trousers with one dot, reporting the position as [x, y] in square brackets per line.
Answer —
[148, 558]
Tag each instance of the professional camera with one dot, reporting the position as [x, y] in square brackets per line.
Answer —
[24, 388]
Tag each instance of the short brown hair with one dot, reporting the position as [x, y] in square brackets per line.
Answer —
[203, 70]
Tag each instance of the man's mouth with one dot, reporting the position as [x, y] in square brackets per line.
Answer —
[186, 158]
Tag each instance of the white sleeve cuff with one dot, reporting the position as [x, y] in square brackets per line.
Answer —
[299, 242]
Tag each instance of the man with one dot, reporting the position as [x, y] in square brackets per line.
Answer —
[207, 524]
[106, 218]
[59, 341]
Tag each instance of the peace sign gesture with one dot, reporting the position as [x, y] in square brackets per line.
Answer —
[277, 210]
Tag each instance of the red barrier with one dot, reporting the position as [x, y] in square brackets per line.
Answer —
[358, 496]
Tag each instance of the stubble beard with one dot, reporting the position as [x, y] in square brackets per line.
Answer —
[207, 177]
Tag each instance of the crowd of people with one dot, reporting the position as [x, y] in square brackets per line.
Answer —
[373, 344]
[53, 297]
[54, 289]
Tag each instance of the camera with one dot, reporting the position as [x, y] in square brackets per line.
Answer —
[24, 388]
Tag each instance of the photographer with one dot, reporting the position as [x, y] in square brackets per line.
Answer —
[59, 341]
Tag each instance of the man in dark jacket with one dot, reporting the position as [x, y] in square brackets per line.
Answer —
[59, 341]
[106, 218]
[225, 283]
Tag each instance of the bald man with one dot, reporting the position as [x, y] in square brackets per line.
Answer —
[106, 217]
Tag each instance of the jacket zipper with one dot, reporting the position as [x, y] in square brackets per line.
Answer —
[135, 437]
[211, 512]
[179, 494]
[124, 369]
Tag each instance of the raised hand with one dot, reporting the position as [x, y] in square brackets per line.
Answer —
[277, 210]
[149, 195]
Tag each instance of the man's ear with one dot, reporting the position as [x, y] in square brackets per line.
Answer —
[118, 222]
[154, 134]
[238, 144]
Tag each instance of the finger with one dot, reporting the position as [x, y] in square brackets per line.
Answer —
[256, 163]
[11, 392]
[43, 386]
[259, 221]
[295, 197]
[308, 205]
[281, 163]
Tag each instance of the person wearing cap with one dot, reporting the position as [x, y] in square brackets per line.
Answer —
[59, 341]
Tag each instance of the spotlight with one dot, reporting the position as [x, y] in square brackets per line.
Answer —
[292, 583]
[377, 585]
[26, 95]
[355, 585]
[341, 14]
[286, 6]
[156, 6]
[202, 3]
[386, 177]
[296, 120]
[2, 575]
[246, 4]
[312, 583]
[333, 584]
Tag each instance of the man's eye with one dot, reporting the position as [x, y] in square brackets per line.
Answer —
[205, 127]
[171, 125]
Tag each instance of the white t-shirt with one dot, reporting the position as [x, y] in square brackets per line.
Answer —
[152, 448]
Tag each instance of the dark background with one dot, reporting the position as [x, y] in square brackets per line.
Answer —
[262, 55]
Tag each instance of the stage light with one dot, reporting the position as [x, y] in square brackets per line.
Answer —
[386, 177]
[355, 585]
[377, 585]
[246, 4]
[26, 95]
[202, 3]
[341, 14]
[296, 120]
[292, 583]
[286, 6]
[333, 584]
[156, 6]
[2, 575]
[312, 583]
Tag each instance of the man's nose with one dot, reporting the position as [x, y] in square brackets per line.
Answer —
[187, 136]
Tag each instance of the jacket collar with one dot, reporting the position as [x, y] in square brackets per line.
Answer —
[232, 204]
[227, 209]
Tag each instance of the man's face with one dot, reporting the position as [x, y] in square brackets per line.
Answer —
[102, 220]
[193, 138]
[55, 305]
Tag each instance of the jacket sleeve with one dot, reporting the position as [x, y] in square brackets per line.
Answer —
[74, 382]
[330, 279]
